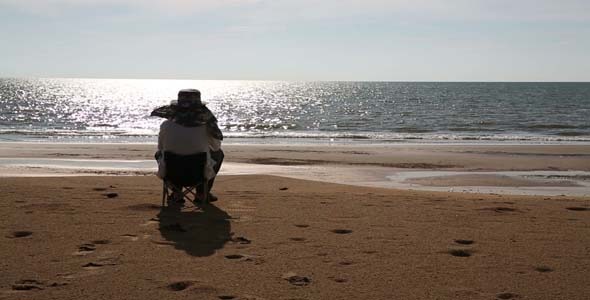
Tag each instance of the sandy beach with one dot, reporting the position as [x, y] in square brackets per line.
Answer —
[275, 236]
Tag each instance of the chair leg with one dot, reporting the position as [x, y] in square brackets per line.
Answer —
[205, 192]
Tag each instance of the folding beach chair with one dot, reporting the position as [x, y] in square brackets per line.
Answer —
[185, 173]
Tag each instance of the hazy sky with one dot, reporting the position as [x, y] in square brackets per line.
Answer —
[406, 40]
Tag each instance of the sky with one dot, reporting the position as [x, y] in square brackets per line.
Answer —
[372, 40]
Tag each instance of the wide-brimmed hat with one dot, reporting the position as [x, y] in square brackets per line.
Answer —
[188, 109]
[189, 98]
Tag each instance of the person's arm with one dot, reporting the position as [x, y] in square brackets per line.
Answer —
[161, 137]
[214, 136]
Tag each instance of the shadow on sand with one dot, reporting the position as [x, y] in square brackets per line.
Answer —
[198, 232]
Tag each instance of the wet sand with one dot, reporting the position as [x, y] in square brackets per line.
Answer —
[477, 168]
[471, 157]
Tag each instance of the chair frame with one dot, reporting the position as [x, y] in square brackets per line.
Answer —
[188, 188]
[188, 192]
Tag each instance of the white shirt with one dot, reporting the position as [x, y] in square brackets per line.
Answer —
[183, 140]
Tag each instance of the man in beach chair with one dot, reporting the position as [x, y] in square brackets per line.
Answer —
[189, 149]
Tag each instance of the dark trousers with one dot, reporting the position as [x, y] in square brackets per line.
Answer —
[217, 156]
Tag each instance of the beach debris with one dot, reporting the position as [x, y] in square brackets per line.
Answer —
[341, 231]
[19, 234]
[295, 279]
[284, 188]
[301, 225]
[111, 195]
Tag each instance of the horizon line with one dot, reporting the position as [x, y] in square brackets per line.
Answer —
[300, 80]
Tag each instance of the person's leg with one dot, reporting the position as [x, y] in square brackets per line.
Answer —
[217, 156]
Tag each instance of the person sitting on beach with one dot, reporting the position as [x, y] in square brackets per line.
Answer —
[190, 128]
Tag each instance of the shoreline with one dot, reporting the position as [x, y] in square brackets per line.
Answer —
[503, 169]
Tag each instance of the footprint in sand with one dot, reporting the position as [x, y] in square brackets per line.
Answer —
[19, 234]
[295, 279]
[340, 280]
[500, 209]
[131, 237]
[464, 242]
[180, 285]
[297, 239]
[543, 269]
[111, 195]
[240, 240]
[577, 208]
[32, 284]
[144, 207]
[460, 252]
[85, 249]
[102, 262]
[341, 231]
[101, 242]
[507, 296]
[346, 263]
[92, 266]
[28, 285]
[234, 256]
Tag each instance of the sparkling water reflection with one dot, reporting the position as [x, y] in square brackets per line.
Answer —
[61, 108]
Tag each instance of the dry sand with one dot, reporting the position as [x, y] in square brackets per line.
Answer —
[278, 238]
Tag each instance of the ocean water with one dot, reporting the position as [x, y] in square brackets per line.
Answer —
[113, 110]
